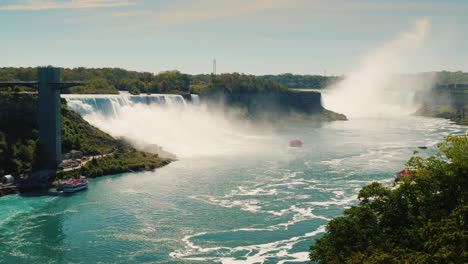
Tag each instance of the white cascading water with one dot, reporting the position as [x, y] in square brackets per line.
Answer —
[184, 129]
[377, 87]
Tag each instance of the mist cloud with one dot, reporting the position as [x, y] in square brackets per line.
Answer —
[376, 87]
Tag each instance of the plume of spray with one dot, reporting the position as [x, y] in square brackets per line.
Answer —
[377, 87]
[188, 131]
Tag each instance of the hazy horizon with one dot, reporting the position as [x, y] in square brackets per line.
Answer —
[254, 37]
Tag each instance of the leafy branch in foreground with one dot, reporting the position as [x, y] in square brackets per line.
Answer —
[421, 220]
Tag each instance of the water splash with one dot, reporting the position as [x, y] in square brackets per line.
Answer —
[184, 129]
[377, 87]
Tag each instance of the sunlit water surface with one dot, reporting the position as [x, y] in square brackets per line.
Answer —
[257, 206]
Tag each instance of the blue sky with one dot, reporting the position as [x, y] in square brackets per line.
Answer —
[249, 36]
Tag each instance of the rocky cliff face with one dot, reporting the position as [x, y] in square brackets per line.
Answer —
[445, 103]
[273, 105]
[304, 102]
[452, 98]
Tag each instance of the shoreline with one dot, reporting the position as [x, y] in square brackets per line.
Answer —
[72, 174]
[459, 116]
[67, 175]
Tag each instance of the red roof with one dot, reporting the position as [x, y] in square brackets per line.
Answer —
[77, 181]
[406, 172]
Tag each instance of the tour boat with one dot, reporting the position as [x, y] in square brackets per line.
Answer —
[295, 143]
[75, 185]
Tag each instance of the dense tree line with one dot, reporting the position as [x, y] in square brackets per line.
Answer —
[18, 132]
[302, 81]
[444, 79]
[421, 220]
[109, 80]
[236, 83]
[16, 157]
[452, 78]
[115, 79]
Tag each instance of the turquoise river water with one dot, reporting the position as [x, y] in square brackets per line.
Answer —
[248, 199]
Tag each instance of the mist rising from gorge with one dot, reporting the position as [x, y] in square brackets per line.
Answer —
[377, 87]
[185, 129]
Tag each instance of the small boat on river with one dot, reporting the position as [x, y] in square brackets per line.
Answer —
[295, 143]
[75, 185]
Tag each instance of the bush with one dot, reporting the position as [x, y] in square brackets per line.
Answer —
[422, 220]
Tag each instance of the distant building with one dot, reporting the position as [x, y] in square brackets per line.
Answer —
[69, 163]
[74, 154]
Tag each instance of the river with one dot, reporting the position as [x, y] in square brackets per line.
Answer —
[237, 194]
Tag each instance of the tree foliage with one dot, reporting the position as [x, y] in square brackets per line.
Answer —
[108, 80]
[449, 78]
[94, 86]
[421, 220]
[77, 134]
[303, 81]
[125, 159]
[235, 83]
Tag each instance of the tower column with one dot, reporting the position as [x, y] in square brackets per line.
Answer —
[50, 134]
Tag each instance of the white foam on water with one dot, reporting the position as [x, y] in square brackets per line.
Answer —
[255, 253]
[243, 191]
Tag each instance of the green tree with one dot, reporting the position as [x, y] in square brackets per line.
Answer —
[421, 220]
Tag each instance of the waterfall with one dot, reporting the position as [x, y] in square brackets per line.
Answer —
[195, 99]
[110, 104]
[184, 128]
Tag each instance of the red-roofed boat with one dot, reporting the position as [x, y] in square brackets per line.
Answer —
[75, 185]
[295, 143]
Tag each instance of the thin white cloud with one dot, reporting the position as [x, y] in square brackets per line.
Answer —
[73, 4]
[213, 9]
[181, 13]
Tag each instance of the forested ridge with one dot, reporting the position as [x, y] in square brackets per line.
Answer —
[111, 80]
[422, 219]
[296, 81]
[235, 83]
[443, 79]
[451, 78]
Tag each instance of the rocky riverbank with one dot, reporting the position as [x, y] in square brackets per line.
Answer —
[459, 116]
[445, 102]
